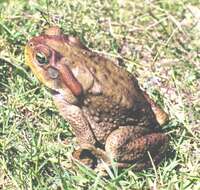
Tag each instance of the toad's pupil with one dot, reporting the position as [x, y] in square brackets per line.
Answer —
[41, 58]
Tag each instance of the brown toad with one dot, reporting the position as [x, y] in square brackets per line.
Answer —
[109, 113]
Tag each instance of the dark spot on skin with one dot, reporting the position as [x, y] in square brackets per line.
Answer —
[115, 82]
[31, 44]
[97, 59]
[72, 63]
[121, 77]
[97, 80]
[94, 57]
[93, 70]
[108, 71]
[105, 76]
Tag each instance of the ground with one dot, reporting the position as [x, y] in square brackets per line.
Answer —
[158, 41]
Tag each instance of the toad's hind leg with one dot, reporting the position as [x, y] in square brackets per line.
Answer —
[127, 148]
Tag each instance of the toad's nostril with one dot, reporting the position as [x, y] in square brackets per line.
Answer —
[31, 44]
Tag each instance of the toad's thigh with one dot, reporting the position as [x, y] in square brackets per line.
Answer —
[127, 144]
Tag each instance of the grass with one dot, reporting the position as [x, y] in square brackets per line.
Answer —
[159, 41]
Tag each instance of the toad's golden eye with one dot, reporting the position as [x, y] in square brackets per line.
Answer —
[41, 58]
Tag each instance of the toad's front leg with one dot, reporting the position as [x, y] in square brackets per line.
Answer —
[74, 115]
[81, 128]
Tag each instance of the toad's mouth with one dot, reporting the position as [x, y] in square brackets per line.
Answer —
[54, 92]
[61, 96]
[58, 95]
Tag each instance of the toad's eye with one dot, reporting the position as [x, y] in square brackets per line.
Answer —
[42, 58]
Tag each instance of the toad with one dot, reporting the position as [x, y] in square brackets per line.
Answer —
[111, 117]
